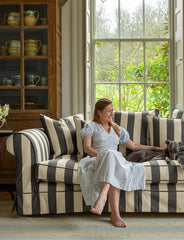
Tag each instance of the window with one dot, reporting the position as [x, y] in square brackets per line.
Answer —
[131, 52]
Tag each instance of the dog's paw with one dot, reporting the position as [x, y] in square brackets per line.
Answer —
[181, 161]
[168, 160]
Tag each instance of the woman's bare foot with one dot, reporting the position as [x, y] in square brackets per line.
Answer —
[99, 205]
[117, 221]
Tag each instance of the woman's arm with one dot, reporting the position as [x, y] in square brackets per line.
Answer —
[135, 147]
[87, 147]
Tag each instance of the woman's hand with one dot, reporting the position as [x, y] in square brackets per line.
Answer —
[158, 149]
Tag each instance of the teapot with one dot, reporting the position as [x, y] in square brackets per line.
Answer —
[13, 18]
[31, 17]
[32, 46]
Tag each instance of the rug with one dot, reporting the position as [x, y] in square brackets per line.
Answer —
[88, 226]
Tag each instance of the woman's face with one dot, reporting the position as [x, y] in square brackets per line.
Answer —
[106, 114]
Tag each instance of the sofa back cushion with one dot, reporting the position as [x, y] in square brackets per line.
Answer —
[61, 134]
[79, 125]
[136, 124]
[177, 113]
[162, 129]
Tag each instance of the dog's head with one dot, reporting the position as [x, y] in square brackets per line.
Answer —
[173, 149]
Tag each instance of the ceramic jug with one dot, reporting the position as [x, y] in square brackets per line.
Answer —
[12, 18]
[31, 17]
[32, 79]
[13, 47]
[16, 79]
[32, 46]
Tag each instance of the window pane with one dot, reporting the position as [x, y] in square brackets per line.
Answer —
[157, 96]
[110, 91]
[106, 15]
[132, 97]
[131, 18]
[107, 62]
[157, 66]
[132, 66]
[156, 18]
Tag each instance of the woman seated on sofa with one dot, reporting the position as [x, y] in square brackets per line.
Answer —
[104, 172]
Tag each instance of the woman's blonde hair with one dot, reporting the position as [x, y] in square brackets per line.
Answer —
[100, 105]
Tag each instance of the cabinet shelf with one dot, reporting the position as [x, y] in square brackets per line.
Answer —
[36, 27]
[10, 87]
[9, 27]
[10, 57]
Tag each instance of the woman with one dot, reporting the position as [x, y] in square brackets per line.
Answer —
[104, 172]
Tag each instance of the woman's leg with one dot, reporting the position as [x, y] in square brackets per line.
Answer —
[102, 198]
[114, 195]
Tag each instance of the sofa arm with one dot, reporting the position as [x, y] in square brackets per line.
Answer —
[28, 146]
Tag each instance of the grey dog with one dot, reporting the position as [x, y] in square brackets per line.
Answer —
[174, 151]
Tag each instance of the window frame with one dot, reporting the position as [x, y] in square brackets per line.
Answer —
[170, 40]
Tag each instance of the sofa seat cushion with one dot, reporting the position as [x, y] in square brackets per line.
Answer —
[159, 171]
[63, 169]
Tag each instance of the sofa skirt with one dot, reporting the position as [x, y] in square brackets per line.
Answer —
[51, 198]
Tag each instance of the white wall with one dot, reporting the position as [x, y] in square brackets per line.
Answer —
[72, 58]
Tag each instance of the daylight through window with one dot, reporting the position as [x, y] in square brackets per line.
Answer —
[130, 47]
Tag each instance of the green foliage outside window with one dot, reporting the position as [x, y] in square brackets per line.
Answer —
[149, 94]
[132, 63]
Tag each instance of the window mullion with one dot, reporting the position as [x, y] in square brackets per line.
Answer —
[144, 76]
[119, 29]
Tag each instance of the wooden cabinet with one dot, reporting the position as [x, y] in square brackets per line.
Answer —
[30, 62]
[7, 162]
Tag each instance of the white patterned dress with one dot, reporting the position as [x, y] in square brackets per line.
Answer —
[109, 165]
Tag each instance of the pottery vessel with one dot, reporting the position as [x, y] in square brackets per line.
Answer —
[32, 47]
[13, 47]
[16, 79]
[31, 17]
[32, 79]
[13, 18]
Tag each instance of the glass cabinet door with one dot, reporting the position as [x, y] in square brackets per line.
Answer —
[24, 56]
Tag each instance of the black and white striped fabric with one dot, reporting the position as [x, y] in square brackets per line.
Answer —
[162, 129]
[177, 113]
[164, 190]
[136, 125]
[159, 171]
[79, 125]
[155, 198]
[61, 134]
[63, 169]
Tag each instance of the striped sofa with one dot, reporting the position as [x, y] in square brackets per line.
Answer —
[47, 166]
